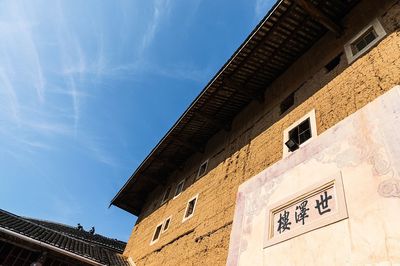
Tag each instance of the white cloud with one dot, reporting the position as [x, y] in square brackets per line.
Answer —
[73, 62]
[49, 128]
[20, 30]
[181, 71]
[98, 150]
[45, 66]
[11, 99]
[36, 145]
[36, 65]
[101, 60]
[160, 10]
[174, 71]
[75, 102]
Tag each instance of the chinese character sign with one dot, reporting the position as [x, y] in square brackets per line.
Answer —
[313, 207]
[283, 222]
[305, 211]
[301, 212]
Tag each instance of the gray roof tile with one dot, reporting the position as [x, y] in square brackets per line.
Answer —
[94, 247]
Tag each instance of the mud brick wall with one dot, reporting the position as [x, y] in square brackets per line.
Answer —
[256, 140]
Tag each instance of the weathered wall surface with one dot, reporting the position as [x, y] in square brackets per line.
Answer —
[255, 141]
[363, 151]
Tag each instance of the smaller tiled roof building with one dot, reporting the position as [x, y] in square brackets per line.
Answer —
[27, 241]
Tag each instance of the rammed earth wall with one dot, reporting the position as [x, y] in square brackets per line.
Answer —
[255, 141]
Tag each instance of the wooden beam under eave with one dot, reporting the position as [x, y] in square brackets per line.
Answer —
[167, 163]
[213, 121]
[157, 181]
[190, 145]
[171, 165]
[320, 17]
[258, 95]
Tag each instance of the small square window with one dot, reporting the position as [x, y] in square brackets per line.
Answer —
[190, 207]
[166, 224]
[299, 133]
[156, 234]
[179, 188]
[166, 195]
[202, 169]
[364, 40]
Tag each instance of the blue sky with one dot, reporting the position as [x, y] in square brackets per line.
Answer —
[87, 88]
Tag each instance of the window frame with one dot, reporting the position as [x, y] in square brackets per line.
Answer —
[163, 199]
[176, 189]
[152, 241]
[163, 230]
[380, 32]
[313, 127]
[196, 198]
[205, 171]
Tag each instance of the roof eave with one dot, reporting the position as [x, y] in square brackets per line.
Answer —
[256, 34]
[131, 179]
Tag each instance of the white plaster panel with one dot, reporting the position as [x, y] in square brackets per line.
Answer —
[365, 148]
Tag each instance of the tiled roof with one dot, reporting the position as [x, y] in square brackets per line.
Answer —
[96, 239]
[93, 247]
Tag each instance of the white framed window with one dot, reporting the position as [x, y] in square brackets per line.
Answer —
[166, 224]
[190, 208]
[364, 40]
[299, 133]
[166, 195]
[202, 169]
[156, 234]
[179, 188]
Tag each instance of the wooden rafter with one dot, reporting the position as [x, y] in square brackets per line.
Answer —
[158, 181]
[264, 38]
[243, 89]
[167, 162]
[190, 145]
[170, 164]
[271, 64]
[215, 122]
[320, 17]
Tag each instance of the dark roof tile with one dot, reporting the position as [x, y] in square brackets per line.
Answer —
[72, 231]
[94, 247]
